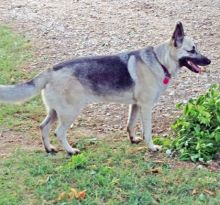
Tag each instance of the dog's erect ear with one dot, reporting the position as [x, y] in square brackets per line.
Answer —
[178, 35]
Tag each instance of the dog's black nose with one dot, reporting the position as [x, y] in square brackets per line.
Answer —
[205, 61]
[208, 61]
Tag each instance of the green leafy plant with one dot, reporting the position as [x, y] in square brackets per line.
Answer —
[197, 130]
[76, 162]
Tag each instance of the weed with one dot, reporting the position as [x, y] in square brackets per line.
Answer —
[197, 130]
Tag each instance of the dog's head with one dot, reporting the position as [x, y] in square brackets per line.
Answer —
[185, 51]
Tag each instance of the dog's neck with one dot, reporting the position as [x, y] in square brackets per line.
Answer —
[165, 70]
[162, 52]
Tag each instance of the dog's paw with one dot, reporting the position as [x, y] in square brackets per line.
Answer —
[73, 152]
[155, 148]
[51, 150]
[135, 140]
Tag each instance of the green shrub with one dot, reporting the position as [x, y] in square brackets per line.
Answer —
[197, 130]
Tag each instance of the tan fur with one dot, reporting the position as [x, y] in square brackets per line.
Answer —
[65, 96]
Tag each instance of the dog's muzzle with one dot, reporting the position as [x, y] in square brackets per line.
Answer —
[194, 63]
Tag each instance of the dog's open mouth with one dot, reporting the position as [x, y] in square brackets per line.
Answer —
[194, 64]
[193, 67]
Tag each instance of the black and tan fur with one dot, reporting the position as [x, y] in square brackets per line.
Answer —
[135, 78]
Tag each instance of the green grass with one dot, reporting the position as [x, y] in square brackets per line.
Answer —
[14, 52]
[111, 173]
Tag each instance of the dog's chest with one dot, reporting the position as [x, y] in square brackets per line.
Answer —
[147, 87]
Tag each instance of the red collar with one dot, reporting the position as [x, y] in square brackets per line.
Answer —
[165, 70]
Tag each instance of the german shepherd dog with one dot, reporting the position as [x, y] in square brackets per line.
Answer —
[136, 78]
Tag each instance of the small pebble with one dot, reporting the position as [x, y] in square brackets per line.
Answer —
[168, 152]
[200, 167]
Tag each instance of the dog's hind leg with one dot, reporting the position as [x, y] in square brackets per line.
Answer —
[134, 111]
[45, 129]
[66, 118]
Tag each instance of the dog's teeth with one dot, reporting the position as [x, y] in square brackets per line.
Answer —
[197, 68]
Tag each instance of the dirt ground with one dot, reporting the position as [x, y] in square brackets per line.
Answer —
[61, 30]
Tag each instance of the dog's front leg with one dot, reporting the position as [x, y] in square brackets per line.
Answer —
[146, 116]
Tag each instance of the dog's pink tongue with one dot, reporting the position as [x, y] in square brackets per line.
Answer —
[195, 67]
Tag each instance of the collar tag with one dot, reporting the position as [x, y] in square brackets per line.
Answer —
[166, 80]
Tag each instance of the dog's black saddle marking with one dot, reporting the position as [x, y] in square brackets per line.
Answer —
[102, 74]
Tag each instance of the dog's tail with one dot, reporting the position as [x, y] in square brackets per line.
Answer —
[24, 91]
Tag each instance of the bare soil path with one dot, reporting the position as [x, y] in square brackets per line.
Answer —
[61, 30]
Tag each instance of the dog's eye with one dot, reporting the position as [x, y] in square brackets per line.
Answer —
[192, 51]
